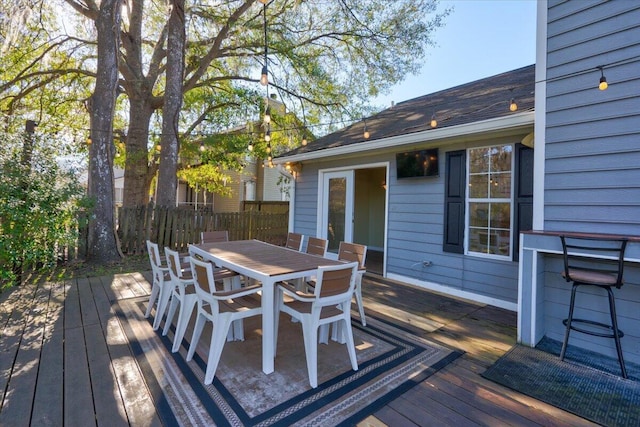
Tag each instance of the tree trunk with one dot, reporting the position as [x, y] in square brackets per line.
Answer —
[138, 172]
[102, 245]
[167, 172]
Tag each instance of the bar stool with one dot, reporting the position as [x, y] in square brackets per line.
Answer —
[581, 268]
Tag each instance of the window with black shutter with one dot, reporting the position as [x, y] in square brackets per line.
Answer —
[454, 201]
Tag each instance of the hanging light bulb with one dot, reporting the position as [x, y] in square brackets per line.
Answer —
[512, 105]
[267, 115]
[89, 140]
[304, 140]
[433, 122]
[267, 135]
[603, 80]
[250, 147]
[366, 133]
[158, 147]
[268, 148]
[264, 77]
[202, 147]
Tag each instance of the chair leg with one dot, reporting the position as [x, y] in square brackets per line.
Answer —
[310, 335]
[359, 299]
[218, 336]
[569, 319]
[195, 337]
[616, 332]
[351, 347]
[186, 309]
[155, 290]
[172, 312]
[163, 301]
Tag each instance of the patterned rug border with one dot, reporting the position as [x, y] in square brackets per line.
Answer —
[569, 385]
[216, 411]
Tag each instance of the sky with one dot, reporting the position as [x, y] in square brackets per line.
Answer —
[480, 38]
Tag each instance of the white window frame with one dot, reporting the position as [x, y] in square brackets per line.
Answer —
[469, 200]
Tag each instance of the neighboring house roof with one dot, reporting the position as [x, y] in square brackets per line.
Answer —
[474, 102]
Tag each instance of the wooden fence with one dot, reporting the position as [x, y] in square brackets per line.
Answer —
[177, 227]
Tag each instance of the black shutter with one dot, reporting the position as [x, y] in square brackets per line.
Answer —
[523, 195]
[454, 201]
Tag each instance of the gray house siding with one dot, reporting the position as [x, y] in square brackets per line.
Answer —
[415, 228]
[591, 167]
[592, 176]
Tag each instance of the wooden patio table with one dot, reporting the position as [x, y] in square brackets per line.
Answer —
[268, 264]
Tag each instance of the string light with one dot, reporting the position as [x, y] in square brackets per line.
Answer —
[267, 135]
[433, 122]
[512, 105]
[304, 139]
[264, 75]
[603, 80]
[267, 114]
[250, 147]
[366, 133]
[202, 147]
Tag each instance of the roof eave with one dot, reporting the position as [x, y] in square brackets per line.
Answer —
[514, 121]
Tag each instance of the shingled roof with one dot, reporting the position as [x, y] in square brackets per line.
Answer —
[477, 101]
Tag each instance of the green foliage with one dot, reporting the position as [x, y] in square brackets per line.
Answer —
[39, 207]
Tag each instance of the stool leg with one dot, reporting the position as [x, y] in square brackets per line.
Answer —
[616, 333]
[569, 319]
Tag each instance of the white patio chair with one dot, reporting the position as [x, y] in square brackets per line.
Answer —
[329, 303]
[160, 273]
[161, 286]
[182, 293]
[222, 308]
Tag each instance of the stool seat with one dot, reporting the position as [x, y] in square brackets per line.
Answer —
[589, 277]
[599, 262]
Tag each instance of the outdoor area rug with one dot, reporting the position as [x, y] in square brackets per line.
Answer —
[390, 360]
[590, 393]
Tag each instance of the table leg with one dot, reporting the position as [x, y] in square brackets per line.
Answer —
[268, 326]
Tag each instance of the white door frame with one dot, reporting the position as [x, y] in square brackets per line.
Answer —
[322, 198]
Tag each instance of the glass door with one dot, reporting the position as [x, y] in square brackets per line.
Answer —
[336, 223]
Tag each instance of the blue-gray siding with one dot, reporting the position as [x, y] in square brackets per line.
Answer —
[592, 155]
[592, 179]
[415, 228]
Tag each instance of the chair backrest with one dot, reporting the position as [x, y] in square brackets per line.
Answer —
[317, 246]
[597, 256]
[353, 252]
[214, 236]
[294, 241]
[154, 254]
[335, 283]
[173, 262]
[203, 278]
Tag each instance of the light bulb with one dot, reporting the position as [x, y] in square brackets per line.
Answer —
[250, 147]
[304, 141]
[268, 148]
[603, 83]
[366, 134]
[158, 147]
[513, 106]
[264, 78]
[267, 115]
[202, 147]
[267, 136]
[89, 141]
[434, 122]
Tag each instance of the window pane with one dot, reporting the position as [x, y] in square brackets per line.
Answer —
[500, 215]
[501, 158]
[500, 242]
[475, 244]
[479, 214]
[479, 160]
[478, 186]
[500, 185]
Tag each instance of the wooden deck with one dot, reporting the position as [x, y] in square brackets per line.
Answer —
[64, 359]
